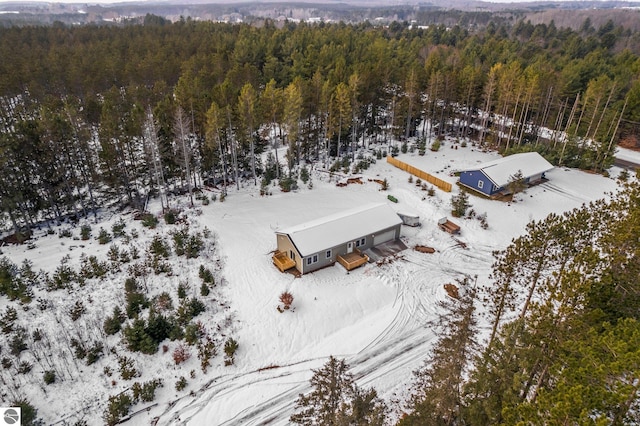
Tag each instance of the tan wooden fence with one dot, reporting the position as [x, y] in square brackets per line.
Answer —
[445, 186]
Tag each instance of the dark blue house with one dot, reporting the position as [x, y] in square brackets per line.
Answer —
[494, 176]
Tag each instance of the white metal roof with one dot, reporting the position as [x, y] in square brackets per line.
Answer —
[327, 232]
[501, 171]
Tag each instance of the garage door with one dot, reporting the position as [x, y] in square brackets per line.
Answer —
[384, 237]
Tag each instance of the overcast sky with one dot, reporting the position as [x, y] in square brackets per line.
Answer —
[232, 1]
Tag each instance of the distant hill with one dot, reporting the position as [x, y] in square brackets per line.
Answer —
[448, 12]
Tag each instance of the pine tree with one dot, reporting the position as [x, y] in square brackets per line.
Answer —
[437, 397]
[247, 113]
[460, 204]
[516, 183]
[336, 400]
[184, 151]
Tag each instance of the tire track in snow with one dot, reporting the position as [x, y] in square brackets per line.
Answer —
[403, 344]
[564, 192]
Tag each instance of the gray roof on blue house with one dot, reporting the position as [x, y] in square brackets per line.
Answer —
[501, 171]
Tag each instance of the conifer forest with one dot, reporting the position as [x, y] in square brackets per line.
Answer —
[96, 117]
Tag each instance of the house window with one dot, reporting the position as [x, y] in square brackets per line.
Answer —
[480, 184]
[360, 242]
[292, 254]
[309, 260]
[312, 259]
[328, 254]
[315, 258]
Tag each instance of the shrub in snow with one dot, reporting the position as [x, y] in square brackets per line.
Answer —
[49, 377]
[188, 309]
[181, 354]
[230, 348]
[118, 228]
[206, 351]
[460, 204]
[24, 367]
[194, 246]
[125, 257]
[163, 302]
[65, 233]
[149, 221]
[37, 335]
[8, 320]
[287, 299]
[77, 310]
[78, 348]
[288, 183]
[304, 174]
[135, 254]
[17, 343]
[128, 370]
[194, 332]
[205, 275]
[91, 267]
[117, 408]
[64, 276]
[28, 413]
[158, 247]
[94, 353]
[204, 289]
[113, 324]
[181, 383]
[159, 327]
[145, 392]
[206, 233]
[136, 302]
[170, 217]
[624, 175]
[103, 236]
[85, 232]
[182, 290]
[188, 245]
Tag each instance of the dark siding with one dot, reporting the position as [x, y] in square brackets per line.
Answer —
[477, 181]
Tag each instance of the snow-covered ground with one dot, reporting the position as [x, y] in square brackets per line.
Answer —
[376, 317]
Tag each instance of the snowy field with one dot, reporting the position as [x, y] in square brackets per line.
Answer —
[376, 317]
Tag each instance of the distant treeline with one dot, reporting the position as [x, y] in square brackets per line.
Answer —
[95, 114]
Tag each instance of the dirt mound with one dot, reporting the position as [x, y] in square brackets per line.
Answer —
[451, 290]
[424, 249]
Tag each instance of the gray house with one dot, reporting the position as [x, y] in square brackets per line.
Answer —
[340, 237]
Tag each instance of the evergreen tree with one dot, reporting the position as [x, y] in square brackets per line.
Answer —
[336, 400]
[438, 389]
[460, 203]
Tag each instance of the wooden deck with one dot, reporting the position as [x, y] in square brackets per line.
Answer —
[282, 261]
[353, 260]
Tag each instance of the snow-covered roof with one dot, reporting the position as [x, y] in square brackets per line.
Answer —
[321, 234]
[501, 171]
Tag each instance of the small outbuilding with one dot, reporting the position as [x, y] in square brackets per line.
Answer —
[409, 219]
[494, 176]
[341, 237]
